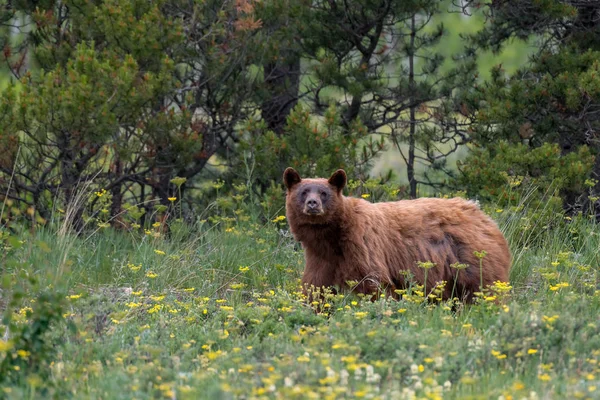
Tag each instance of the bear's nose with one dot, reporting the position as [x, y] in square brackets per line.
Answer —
[311, 203]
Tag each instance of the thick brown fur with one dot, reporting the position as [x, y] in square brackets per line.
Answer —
[350, 239]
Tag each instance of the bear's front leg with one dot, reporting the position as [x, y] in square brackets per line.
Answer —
[362, 273]
[319, 276]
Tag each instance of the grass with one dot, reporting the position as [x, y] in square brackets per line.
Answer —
[216, 313]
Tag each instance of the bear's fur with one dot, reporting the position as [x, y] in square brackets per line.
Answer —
[350, 239]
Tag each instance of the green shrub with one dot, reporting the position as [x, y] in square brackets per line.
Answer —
[29, 350]
[315, 146]
[507, 174]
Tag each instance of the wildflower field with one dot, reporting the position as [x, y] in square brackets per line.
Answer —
[211, 312]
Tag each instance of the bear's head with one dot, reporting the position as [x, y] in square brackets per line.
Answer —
[314, 200]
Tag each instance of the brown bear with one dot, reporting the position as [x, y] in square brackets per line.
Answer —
[350, 239]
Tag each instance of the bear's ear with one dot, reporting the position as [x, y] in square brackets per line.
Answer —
[291, 177]
[338, 179]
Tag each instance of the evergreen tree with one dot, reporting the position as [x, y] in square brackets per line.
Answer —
[554, 99]
[76, 117]
[377, 62]
[122, 96]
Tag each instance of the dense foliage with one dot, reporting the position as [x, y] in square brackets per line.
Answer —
[554, 99]
[152, 101]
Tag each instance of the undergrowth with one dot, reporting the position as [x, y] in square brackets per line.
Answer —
[216, 312]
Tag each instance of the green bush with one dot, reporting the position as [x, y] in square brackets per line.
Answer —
[314, 146]
[30, 351]
[508, 174]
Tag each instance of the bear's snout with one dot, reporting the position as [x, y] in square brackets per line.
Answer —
[313, 206]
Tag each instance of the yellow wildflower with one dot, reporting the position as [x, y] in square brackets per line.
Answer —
[5, 345]
[134, 267]
[23, 353]
[156, 308]
[544, 377]
[236, 286]
[360, 314]
[559, 286]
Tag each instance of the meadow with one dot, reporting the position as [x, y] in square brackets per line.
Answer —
[214, 311]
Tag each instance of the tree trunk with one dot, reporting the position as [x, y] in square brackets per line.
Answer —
[282, 80]
[69, 182]
[116, 205]
[410, 167]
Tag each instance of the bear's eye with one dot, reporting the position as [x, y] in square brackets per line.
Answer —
[303, 194]
[323, 195]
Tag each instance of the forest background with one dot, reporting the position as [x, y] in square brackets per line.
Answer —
[432, 96]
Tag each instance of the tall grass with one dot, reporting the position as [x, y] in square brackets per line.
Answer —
[209, 312]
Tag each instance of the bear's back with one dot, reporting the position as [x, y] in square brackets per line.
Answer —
[400, 234]
[414, 217]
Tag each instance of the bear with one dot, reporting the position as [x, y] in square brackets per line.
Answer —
[377, 245]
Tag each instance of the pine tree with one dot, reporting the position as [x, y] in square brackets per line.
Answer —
[378, 62]
[556, 97]
[99, 69]
[122, 96]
